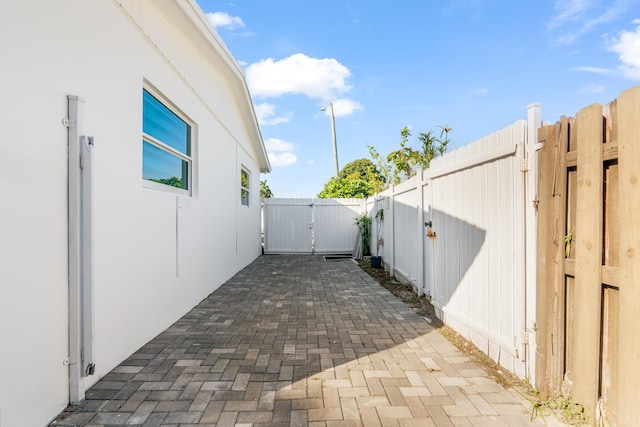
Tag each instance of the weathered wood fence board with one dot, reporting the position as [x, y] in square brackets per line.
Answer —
[628, 363]
[588, 266]
[588, 238]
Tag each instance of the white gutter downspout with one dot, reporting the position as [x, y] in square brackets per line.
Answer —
[80, 253]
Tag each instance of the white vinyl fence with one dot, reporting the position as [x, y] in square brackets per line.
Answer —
[310, 226]
[461, 232]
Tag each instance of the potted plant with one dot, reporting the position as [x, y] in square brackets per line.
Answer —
[376, 260]
[364, 227]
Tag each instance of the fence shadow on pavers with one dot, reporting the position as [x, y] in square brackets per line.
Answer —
[292, 340]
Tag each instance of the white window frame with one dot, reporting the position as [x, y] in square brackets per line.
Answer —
[146, 183]
[246, 189]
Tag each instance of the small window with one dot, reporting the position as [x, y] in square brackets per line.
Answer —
[166, 147]
[245, 180]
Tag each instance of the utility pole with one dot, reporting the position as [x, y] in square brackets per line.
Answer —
[333, 135]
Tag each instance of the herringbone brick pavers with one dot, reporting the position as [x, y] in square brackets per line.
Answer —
[297, 341]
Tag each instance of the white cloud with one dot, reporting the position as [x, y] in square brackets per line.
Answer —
[595, 70]
[280, 152]
[223, 19]
[575, 18]
[344, 107]
[266, 114]
[568, 11]
[627, 46]
[282, 159]
[592, 88]
[274, 144]
[316, 78]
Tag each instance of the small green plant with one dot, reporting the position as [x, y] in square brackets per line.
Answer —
[571, 412]
[567, 243]
[379, 218]
[413, 299]
[364, 225]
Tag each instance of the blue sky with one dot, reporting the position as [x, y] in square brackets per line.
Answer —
[474, 65]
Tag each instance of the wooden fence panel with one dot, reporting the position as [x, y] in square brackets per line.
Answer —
[547, 296]
[588, 271]
[628, 366]
[588, 237]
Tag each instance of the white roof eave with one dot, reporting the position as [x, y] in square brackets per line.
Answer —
[239, 87]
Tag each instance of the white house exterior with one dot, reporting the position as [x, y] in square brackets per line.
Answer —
[96, 255]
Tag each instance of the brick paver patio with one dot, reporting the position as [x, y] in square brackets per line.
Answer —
[297, 341]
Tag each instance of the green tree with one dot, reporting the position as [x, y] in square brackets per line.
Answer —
[359, 178]
[428, 145]
[383, 166]
[366, 170]
[444, 142]
[345, 188]
[432, 146]
[406, 160]
[265, 191]
[403, 159]
[361, 168]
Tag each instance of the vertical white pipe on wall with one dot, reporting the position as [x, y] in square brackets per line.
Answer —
[74, 124]
[80, 249]
[86, 253]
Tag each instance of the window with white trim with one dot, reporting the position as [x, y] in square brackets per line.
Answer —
[245, 189]
[166, 146]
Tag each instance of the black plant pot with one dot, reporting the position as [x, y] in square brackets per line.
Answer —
[376, 261]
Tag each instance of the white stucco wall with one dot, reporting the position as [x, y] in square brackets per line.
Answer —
[98, 52]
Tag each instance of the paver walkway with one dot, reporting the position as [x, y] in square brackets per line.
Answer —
[296, 341]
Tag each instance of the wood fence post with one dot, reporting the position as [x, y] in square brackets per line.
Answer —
[551, 226]
[546, 251]
[629, 195]
[588, 236]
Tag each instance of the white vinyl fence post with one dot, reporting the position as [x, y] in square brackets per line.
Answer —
[531, 193]
[419, 268]
[390, 230]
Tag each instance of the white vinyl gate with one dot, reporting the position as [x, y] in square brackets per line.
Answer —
[310, 226]
[461, 232]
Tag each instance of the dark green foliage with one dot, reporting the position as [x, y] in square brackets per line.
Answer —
[265, 191]
[174, 181]
[364, 225]
[359, 178]
[345, 188]
[406, 160]
[363, 169]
